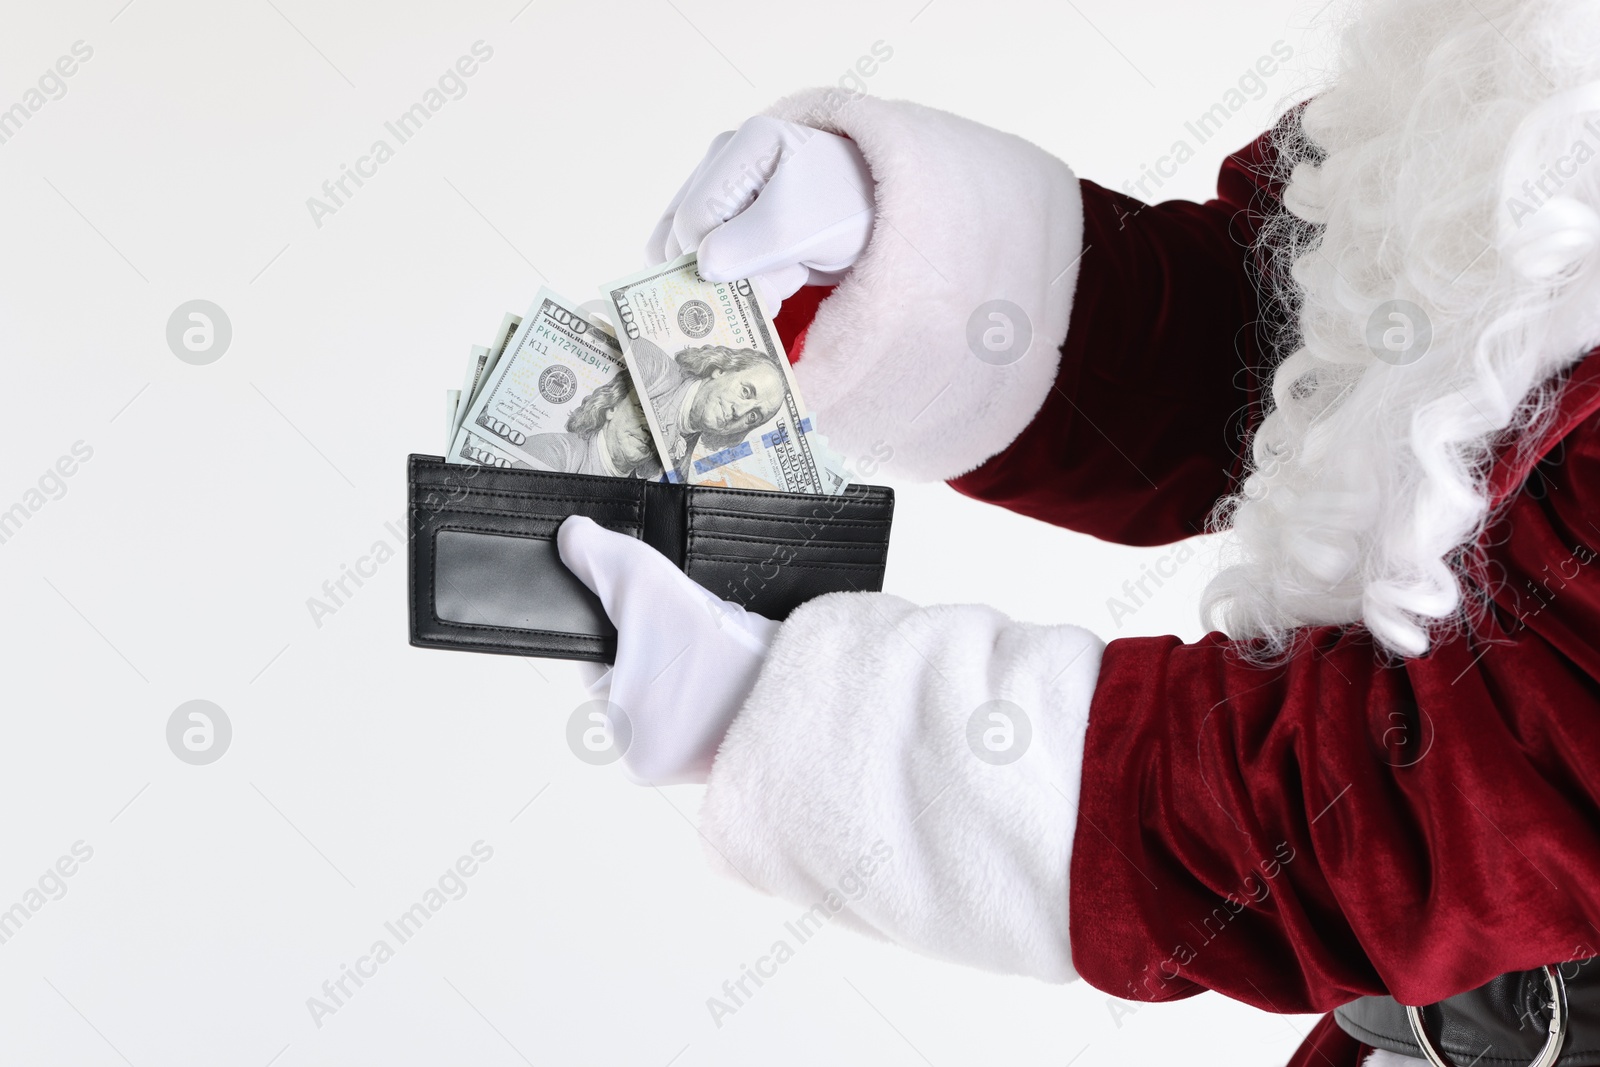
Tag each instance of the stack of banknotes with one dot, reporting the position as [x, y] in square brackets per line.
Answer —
[674, 379]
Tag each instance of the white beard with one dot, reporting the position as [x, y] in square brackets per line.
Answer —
[1366, 481]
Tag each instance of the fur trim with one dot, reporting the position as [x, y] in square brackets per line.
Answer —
[849, 786]
[965, 215]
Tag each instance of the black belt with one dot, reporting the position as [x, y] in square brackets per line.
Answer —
[1549, 1017]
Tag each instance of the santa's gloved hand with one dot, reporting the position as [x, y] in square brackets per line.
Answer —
[686, 659]
[782, 204]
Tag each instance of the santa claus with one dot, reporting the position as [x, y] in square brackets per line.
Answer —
[1370, 361]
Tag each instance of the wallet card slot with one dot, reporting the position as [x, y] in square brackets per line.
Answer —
[857, 503]
[817, 515]
[769, 553]
[535, 499]
[432, 472]
[775, 591]
[790, 529]
[737, 543]
[871, 497]
[510, 582]
[530, 507]
[781, 562]
[519, 522]
[463, 492]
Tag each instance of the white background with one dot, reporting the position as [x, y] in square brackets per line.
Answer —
[179, 561]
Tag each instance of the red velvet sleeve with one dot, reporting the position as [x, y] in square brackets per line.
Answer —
[1158, 379]
[1298, 836]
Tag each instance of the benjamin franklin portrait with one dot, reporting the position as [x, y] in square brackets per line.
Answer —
[710, 397]
[606, 434]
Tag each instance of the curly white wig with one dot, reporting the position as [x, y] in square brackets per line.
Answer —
[1439, 260]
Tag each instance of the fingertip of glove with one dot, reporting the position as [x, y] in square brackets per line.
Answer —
[572, 528]
[655, 246]
[709, 259]
[585, 546]
[573, 522]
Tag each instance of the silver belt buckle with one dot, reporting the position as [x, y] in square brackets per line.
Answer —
[1552, 1045]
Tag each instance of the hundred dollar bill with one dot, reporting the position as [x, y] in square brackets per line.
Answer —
[497, 348]
[716, 384]
[559, 399]
[474, 448]
[480, 364]
[469, 388]
[452, 406]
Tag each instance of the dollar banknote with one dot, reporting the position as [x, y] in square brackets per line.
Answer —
[497, 348]
[559, 399]
[716, 385]
[470, 447]
[477, 360]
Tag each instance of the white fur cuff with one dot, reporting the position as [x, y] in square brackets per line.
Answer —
[913, 772]
[942, 342]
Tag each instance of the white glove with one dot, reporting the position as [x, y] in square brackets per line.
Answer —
[686, 659]
[809, 221]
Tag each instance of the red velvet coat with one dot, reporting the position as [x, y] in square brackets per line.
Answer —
[1299, 836]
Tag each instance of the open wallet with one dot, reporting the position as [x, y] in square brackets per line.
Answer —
[485, 575]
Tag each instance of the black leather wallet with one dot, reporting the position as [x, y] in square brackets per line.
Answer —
[485, 575]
